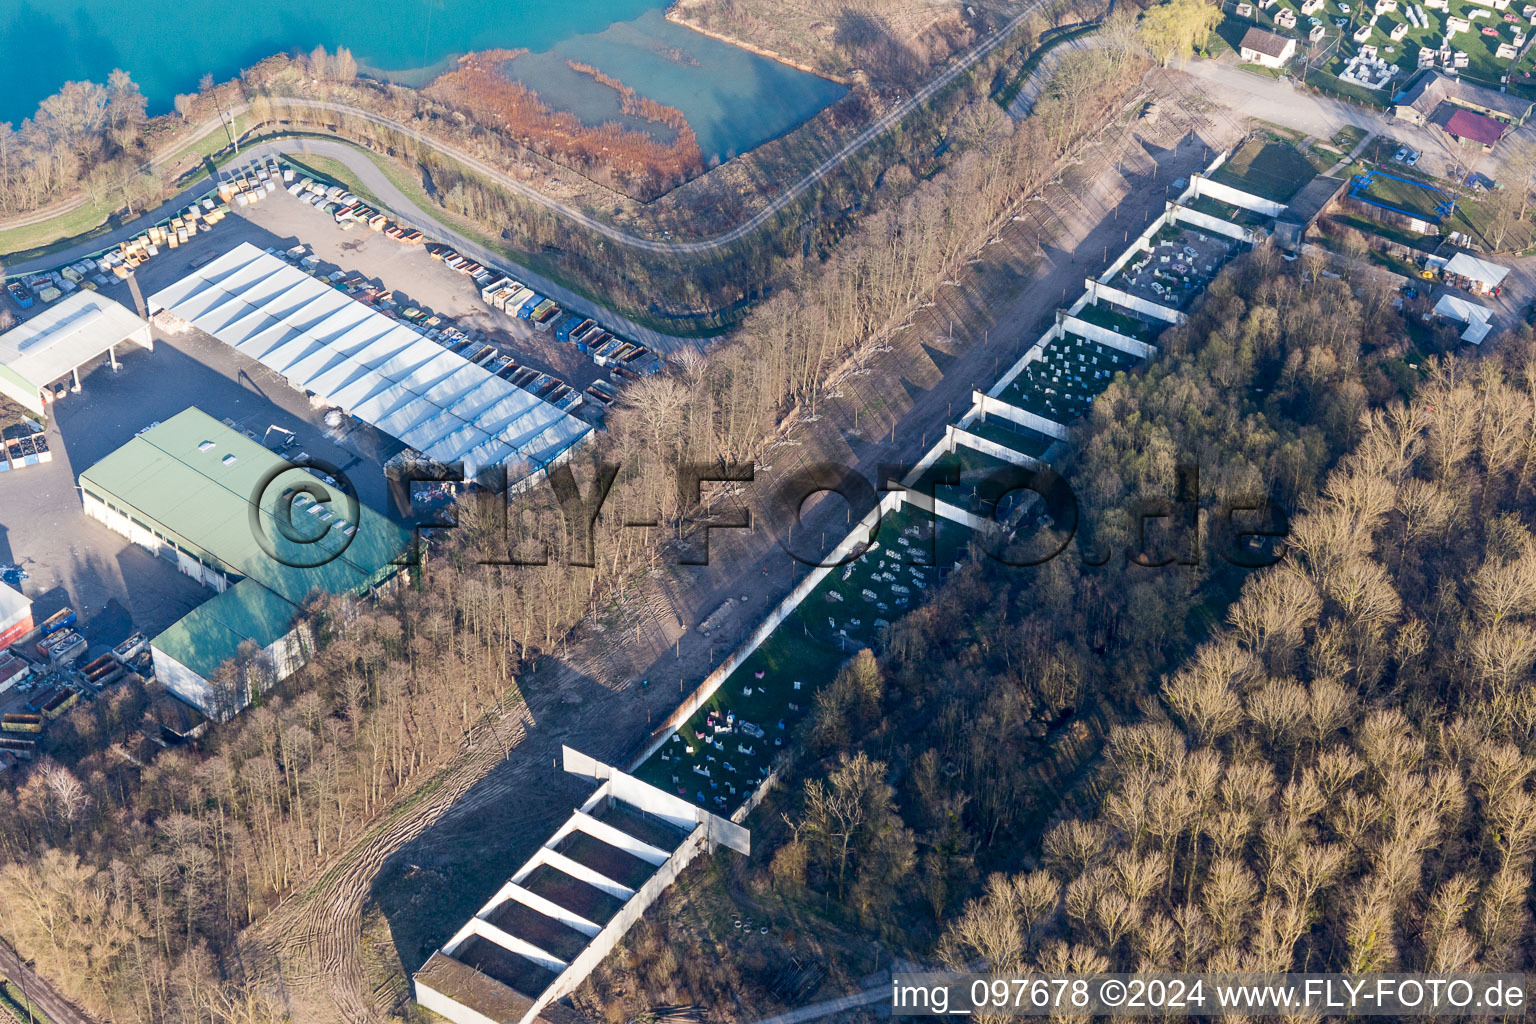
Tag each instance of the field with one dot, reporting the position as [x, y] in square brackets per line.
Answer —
[1111, 318]
[1267, 168]
[1402, 194]
[1012, 436]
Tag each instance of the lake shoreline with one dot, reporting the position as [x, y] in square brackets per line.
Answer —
[675, 16]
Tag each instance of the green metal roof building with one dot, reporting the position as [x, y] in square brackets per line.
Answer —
[243, 520]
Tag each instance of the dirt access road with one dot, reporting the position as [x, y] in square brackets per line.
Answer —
[41, 994]
[471, 824]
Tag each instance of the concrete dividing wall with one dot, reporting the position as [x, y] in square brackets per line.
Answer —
[627, 789]
[587, 960]
[1200, 185]
[953, 435]
[583, 822]
[1108, 293]
[998, 407]
[545, 857]
[1103, 335]
[954, 513]
[512, 944]
[750, 804]
[704, 831]
[1142, 243]
[941, 448]
[1035, 351]
[858, 535]
[972, 414]
[452, 1009]
[1216, 225]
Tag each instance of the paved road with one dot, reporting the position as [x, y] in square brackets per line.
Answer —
[708, 245]
[1280, 102]
[399, 203]
[44, 998]
[703, 246]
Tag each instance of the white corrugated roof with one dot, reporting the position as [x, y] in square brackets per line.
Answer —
[378, 370]
[1475, 333]
[72, 331]
[1479, 319]
[13, 606]
[1469, 266]
[1465, 310]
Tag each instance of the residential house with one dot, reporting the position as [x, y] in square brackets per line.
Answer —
[1266, 48]
[1429, 90]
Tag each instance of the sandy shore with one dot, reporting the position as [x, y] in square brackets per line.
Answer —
[676, 16]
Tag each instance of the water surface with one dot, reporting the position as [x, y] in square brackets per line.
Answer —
[734, 99]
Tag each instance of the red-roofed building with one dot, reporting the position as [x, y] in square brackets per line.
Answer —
[1470, 126]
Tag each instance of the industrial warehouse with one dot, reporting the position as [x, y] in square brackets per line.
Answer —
[247, 523]
[370, 366]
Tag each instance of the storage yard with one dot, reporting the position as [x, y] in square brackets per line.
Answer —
[1070, 374]
[466, 363]
[1178, 267]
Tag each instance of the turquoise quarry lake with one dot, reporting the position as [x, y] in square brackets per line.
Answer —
[734, 99]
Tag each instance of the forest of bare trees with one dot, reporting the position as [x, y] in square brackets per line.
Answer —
[86, 135]
[134, 870]
[916, 810]
[129, 873]
[1340, 778]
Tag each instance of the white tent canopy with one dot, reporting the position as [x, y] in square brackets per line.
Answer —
[63, 337]
[380, 371]
[1479, 319]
